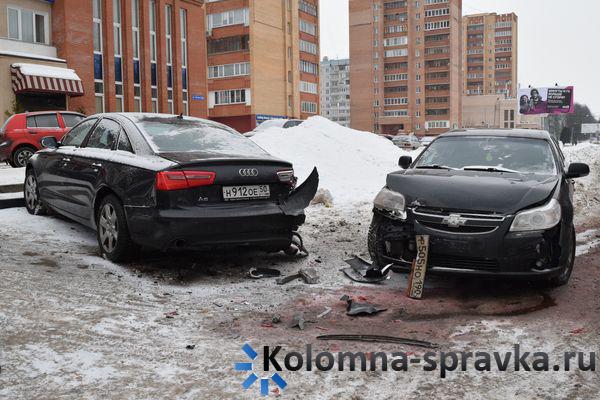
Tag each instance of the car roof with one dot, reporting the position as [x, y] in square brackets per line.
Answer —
[520, 133]
[137, 118]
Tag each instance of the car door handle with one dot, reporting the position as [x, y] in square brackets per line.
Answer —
[96, 165]
[66, 160]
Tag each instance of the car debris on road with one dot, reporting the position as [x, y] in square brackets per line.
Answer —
[356, 309]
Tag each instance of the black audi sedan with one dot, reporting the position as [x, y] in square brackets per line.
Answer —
[493, 202]
[165, 181]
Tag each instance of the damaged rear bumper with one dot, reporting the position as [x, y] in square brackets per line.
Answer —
[260, 225]
[265, 225]
[477, 250]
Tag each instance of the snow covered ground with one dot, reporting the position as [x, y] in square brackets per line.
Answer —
[11, 176]
[75, 326]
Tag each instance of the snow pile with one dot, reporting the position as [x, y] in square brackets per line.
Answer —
[352, 164]
[587, 190]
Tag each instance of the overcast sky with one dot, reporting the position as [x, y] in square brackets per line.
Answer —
[559, 41]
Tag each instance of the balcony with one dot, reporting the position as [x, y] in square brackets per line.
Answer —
[27, 49]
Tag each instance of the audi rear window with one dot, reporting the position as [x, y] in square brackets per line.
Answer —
[175, 135]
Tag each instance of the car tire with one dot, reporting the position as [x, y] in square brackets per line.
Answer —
[21, 155]
[31, 193]
[567, 270]
[113, 235]
[373, 242]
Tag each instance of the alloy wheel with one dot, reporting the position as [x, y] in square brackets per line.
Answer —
[23, 156]
[31, 197]
[108, 226]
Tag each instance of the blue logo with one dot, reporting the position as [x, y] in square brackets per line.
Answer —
[249, 366]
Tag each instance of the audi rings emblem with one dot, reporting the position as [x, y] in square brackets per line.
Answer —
[248, 172]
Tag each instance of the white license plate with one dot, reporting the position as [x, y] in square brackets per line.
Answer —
[246, 192]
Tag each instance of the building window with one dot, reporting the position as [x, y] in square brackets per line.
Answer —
[437, 124]
[169, 48]
[307, 8]
[228, 18]
[308, 67]
[395, 113]
[236, 96]
[307, 27]
[395, 77]
[184, 61]
[430, 26]
[308, 47]
[308, 87]
[396, 41]
[228, 70]
[98, 56]
[135, 37]
[27, 25]
[153, 57]
[228, 44]
[309, 107]
[396, 53]
[117, 38]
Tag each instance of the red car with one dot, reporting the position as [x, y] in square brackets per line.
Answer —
[21, 134]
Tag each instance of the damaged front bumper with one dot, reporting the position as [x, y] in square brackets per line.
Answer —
[484, 245]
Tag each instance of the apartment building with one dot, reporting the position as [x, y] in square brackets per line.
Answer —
[335, 90]
[490, 59]
[32, 77]
[406, 68]
[263, 60]
[134, 55]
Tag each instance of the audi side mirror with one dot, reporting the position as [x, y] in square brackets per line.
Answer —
[49, 142]
[577, 170]
[405, 162]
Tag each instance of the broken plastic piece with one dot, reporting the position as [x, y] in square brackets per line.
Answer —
[355, 308]
[362, 271]
[380, 339]
[258, 273]
[309, 276]
[324, 313]
[301, 197]
[298, 321]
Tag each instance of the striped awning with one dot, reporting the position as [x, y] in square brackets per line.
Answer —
[35, 78]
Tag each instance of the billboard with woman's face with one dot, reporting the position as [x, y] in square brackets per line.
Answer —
[546, 100]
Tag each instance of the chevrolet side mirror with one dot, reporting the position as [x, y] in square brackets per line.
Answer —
[405, 162]
[577, 170]
[49, 142]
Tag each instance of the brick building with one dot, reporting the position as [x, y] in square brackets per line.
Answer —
[490, 54]
[406, 65]
[134, 55]
[263, 60]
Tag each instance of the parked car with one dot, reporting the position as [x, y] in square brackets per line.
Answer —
[407, 142]
[275, 123]
[167, 182]
[494, 202]
[21, 134]
[426, 140]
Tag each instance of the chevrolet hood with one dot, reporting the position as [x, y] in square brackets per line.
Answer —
[471, 190]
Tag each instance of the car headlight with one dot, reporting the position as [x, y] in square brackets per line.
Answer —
[538, 219]
[391, 202]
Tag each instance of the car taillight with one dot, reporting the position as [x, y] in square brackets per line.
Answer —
[178, 180]
[287, 176]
